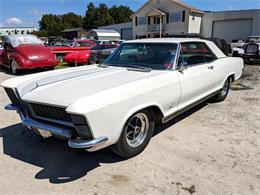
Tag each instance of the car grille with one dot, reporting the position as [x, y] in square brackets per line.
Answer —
[50, 112]
[10, 93]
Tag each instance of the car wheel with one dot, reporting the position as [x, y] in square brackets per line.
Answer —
[222, 94]
[235, 54]
[13, 67]
[50, 68]
[136, 135]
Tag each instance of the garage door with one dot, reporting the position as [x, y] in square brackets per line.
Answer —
[126, 33]
[232, 29]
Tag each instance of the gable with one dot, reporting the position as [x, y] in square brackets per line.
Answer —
[153, 3]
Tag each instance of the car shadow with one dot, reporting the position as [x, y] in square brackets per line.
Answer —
[162, 127]
[59, 163]
[21, 72]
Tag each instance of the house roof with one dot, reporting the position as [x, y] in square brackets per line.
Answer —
[72, 29]
[157, 12]
[105, 33]
[192, 9]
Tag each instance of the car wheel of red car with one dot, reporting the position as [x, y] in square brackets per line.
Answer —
[13, 66]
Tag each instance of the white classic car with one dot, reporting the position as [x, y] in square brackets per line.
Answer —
[117, 103]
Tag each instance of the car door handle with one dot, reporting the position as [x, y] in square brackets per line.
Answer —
[211, 67]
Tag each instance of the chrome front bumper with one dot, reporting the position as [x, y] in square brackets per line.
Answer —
[56, 130]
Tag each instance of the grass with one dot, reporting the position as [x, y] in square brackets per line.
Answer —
[62, 65]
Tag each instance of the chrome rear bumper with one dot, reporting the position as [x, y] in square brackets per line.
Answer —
[64, 132]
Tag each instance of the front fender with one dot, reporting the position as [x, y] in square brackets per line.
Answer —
[110, 119]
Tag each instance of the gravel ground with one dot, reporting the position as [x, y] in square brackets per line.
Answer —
[212, 149]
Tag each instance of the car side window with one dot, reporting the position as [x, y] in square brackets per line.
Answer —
[195, 53]
[192, 53]
[209, 56]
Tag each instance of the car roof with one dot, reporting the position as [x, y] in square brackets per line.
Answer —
[167, 40]
[209, 43]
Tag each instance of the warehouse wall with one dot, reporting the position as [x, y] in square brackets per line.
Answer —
[209, 19]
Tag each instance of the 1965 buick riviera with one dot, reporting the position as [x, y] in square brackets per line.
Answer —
[117, 103]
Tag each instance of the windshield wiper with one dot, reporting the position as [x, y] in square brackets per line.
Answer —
[136, 67]
[129, 67]
[103, 65]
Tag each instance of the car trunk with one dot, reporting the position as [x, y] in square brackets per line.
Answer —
[34, 52]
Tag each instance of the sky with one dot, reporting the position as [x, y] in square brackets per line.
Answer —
[29, 12]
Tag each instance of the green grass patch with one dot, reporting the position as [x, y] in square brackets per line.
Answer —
[62, 65]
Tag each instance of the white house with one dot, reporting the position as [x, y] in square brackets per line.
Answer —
[16, 30]
[161, 18]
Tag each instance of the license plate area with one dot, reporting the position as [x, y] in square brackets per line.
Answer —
[44, 133]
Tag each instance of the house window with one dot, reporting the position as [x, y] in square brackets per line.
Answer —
[175, 17]
[183, 15]
[142, 21]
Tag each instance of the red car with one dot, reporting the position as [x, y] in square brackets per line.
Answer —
[79, 45]
[25, 52]
[82, 57]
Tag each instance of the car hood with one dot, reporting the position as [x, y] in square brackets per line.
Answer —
[66, 88]
[35, 52]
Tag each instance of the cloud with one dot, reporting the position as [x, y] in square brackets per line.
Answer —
[13, 21]
[62, 1]
[1, 25]
[35, 12]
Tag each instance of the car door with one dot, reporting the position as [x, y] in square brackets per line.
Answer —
[195, 72]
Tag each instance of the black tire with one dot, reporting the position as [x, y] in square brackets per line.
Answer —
[235, 54]
[50, 68]
[13, 67]
[127, 147]
[222, 94]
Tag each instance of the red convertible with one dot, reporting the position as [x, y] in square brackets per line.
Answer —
[25, 52]
[83, 57]
[79, 46]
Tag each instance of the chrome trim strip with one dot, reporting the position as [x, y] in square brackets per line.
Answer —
[85, 144]
[55, 130]
[11, 107]
[38, 125]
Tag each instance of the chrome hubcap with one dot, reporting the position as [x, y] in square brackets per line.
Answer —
[137, 130]
[13, 67]
[224, 89]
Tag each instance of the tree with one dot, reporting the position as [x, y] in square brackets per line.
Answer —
[89, 16]
[71, 20]
[102, 16]
[120, 14]
[51, 23]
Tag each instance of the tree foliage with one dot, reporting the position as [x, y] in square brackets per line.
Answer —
[120, 14]
[102, 15]
[52, 25]
[89, 16]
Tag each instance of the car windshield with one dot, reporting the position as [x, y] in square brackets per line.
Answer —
[155, 56]
[67, 43]
[24, 40]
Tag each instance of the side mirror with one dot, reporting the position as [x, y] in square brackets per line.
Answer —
[182, 67]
